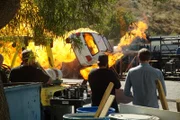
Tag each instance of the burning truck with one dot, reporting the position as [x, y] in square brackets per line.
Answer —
[87, 47]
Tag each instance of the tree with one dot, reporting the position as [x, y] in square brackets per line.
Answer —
[63, 15]
[40, 22]
[8, 10]
[47, 18]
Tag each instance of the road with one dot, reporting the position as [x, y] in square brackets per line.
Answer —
[173, 92]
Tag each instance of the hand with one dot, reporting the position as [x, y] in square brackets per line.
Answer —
[49, 81]
[158, 97]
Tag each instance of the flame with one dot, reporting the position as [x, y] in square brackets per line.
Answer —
[9, 53]
[90, 43]
[112, 59]
[135, 30]
[85, 71]
[61, 51]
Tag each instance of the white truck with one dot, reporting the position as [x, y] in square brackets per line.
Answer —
[90, 46]
[87, 47]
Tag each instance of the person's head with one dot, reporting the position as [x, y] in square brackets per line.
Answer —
[1, 59]
[103, 61]
[28, 57]
[144, 55]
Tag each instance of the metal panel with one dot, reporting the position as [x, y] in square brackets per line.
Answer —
[24, 101]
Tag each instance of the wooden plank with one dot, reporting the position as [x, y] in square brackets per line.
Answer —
[162, 95]
[104, 99]
[178, 105]
[171, 100]
[107, 106]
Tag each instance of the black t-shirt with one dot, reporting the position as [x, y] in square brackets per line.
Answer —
[3, 75]
[28, 74]
[99, 80]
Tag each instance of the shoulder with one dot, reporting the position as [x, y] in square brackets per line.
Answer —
[105, 71]
[150, 68]
[40, 72]
[157, 71]
[110, 71]
[16, 68]
[154, 71]
[134, 68]
[93, 70]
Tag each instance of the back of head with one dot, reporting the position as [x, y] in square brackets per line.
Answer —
[144, 54]
[103, 61]
[27, 55]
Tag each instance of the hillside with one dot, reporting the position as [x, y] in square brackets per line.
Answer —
[162, 18]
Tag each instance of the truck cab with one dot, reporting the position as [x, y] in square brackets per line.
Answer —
[88, 46]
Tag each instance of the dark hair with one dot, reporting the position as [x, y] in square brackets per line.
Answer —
[103, 60]
[144, 54]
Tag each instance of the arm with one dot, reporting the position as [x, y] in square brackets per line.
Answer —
[49, 81]
[3, 76]
[115, 80]
[43, 77]
[11, 76]
[127, 87]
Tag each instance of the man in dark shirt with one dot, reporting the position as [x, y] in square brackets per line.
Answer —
[99, 80]
[28, 70]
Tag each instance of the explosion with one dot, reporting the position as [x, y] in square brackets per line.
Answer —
[136, 30]
[63, 52]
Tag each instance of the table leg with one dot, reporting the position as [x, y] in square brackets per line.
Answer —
[77, 106]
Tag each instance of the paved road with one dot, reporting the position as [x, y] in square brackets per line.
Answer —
[173, 92]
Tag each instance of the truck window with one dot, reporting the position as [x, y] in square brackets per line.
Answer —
[90, 43]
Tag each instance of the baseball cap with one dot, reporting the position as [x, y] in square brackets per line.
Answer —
[26, 54]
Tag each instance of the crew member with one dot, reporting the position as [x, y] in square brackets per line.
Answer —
[29, 71]
[99, 80]
[142, 79]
